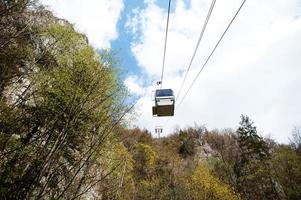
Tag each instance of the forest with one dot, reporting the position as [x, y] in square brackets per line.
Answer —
[64, 130]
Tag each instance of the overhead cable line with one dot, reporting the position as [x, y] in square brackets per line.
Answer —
[207, 60]
[166, 34]
[195, 50]
[197, 45]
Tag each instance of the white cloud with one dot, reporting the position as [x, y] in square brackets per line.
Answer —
[134, 85]
[96, 18]
[256, 70]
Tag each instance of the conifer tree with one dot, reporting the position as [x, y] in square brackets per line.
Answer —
[253, 169]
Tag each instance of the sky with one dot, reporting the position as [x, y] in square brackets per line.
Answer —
[256, 70]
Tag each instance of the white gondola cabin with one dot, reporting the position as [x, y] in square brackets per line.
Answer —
[164, 104]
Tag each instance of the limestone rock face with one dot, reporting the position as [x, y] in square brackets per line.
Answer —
[204, 151]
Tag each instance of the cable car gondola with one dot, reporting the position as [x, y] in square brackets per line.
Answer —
[164, 103]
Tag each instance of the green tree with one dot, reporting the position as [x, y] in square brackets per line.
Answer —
[287, 170]
[187, 147]
[145, 160]
[59, 109]
[253, 169]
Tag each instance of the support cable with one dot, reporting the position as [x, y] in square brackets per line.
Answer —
[212, 52]
[166, 35]
[197, 45]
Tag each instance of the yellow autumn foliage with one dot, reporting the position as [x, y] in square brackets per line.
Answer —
[205, 186]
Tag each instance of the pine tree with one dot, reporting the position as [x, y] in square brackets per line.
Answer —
[251, 145]
[253, 169]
